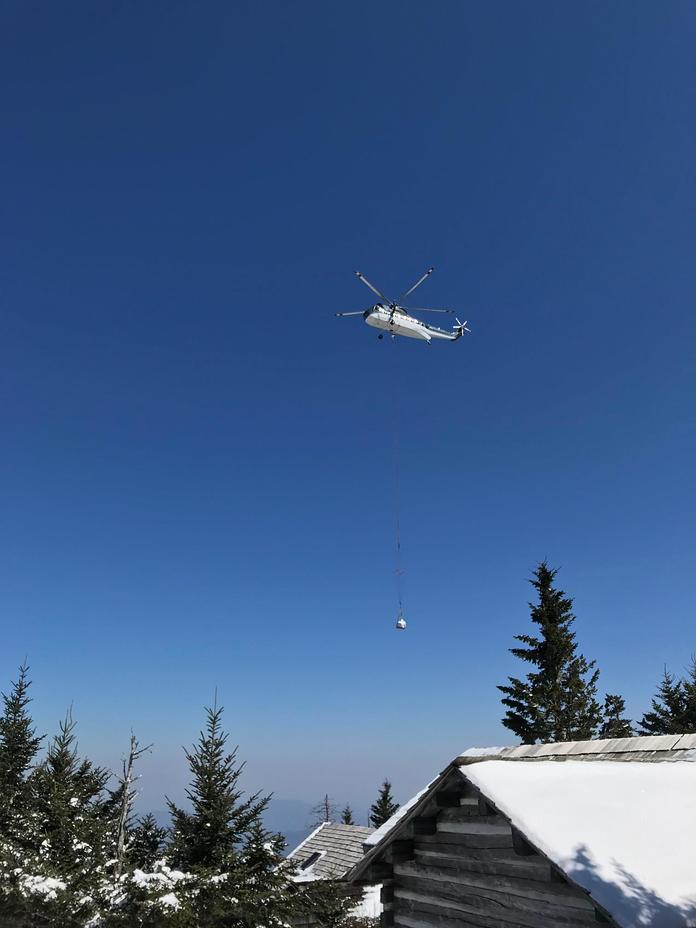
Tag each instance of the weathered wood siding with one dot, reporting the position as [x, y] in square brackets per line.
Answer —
[463, 866]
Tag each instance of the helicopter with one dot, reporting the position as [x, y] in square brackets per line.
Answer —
[396, 319]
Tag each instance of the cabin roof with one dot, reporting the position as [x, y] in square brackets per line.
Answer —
[329, 851]
[617, 817]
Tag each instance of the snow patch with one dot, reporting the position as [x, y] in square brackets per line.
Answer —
[370, 906]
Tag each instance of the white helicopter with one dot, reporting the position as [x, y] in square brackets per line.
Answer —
[392, 317]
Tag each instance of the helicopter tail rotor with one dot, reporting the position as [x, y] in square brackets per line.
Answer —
[460, 328]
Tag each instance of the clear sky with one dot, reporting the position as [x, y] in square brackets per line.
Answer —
[197, 456]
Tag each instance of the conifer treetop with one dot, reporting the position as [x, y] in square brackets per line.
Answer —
[211, 834]
[673, 707]
[557, 701]
[384, 806]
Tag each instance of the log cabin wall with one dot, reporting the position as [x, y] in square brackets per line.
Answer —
[460, 864]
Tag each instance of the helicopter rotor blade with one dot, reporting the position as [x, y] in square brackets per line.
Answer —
[426, 309]
[358, 312]
[373, 288]
[417, 284]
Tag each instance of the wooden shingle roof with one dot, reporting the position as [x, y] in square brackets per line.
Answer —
[645, 748]
[339, 848]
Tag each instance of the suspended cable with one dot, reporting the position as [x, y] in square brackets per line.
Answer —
[396, 483]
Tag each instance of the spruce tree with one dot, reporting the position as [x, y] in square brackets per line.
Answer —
[69, 842]
[212, 832]
[556, 702]
[235, 875]
[673, 707]
[384, 806]
[70, 802]
[347, 816]
[146, 842]
[615, 725]
[19, 745]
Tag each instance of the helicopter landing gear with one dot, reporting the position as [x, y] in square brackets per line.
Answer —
[381, 335]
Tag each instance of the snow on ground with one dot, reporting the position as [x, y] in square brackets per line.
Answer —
[370, 906]
[624, 831]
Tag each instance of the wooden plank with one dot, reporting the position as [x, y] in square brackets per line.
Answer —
[518, 885]
[424, 920]
[449, 840]
[469, 837]
[484, 911]
[386, 893]
[447, 917]
[451, 816]
[486, 897]
[483, 862]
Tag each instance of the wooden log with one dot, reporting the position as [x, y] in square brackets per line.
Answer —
[463, 815]
[419, 920]
[485, 836]
[498, 903]
[387, 918]
[449, 840]
[504, 864]
[504, 910]
[517, 885]
[386, 894]
[421, 914]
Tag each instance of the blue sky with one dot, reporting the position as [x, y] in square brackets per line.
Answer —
[197, 457]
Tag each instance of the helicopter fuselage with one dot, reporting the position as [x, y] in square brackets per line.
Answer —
[397, 322]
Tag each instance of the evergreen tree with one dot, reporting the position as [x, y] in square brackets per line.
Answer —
[673, 707]
[19, 744]
[210, 835]
[557, 702]
[384, 807]
[614, 724]
[70, 803]
[347, 816]
[61, 871]
[146, 842]
[236, 876]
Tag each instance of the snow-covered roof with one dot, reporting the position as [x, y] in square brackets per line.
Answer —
[647, 747]
[626, 833]
[618, 816]
[329, 851]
